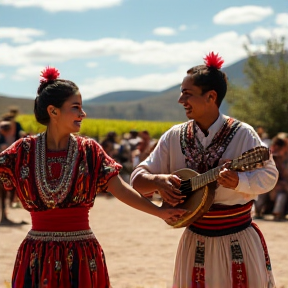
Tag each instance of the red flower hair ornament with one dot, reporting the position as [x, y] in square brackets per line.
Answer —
[48, 74]
[213, 60]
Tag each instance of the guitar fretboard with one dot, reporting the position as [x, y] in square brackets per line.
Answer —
[205, 178]
[247, 161]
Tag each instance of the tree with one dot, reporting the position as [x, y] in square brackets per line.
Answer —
[265, 101]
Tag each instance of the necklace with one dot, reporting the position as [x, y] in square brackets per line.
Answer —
[53, 194]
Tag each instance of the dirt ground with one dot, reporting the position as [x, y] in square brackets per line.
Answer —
[139, 248]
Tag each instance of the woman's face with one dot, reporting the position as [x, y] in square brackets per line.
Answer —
[70, 115]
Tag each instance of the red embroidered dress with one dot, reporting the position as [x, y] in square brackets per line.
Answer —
[58, 189]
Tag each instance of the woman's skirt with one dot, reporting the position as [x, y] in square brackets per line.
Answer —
[60, 260]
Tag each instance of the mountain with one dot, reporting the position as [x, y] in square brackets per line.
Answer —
[121, 96]
[26, 106]
[133, 104]
[149, 105]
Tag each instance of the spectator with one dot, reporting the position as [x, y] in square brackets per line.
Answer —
[275, 201]
[263, 135]
[110, 145]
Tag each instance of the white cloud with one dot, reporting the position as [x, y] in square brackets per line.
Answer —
[62, 5]
[19, 35]
[261, 34]
[182, 28]
[282, 19]
[164, 31]
[243, 14]
[177, 57]
[229, 44]
[2, 76]
[28, 71]
[91, 64]
[155, 82]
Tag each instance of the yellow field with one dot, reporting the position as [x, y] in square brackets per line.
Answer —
[98, 128]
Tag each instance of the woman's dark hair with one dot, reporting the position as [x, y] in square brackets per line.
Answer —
[209, 78]
[53, 92]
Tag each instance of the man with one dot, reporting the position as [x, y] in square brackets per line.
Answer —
[223, 248]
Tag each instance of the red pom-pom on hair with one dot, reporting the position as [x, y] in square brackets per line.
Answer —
[48, 74]
[213, 60]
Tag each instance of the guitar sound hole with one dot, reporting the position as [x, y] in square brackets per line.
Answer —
[185, 187]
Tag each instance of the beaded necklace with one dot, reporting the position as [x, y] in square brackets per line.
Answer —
[53, 194]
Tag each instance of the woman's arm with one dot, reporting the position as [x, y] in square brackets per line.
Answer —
[125, 193]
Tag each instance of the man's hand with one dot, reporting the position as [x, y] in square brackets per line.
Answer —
[167, 187]
[228, 178]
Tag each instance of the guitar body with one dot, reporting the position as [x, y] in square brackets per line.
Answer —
[197, 202]
[200, 188]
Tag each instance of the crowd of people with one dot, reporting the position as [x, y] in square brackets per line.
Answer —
[275, 202]
[58, 173]
[128, 149]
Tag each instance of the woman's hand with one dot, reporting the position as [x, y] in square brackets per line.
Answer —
[167, 186]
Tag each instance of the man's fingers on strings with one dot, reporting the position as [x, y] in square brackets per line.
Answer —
[176, 192]
[176, 197]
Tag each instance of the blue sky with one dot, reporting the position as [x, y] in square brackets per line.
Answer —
[112, 45]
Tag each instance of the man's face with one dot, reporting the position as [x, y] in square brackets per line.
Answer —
[193, 100]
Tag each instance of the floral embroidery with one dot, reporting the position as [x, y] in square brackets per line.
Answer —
[198, 274]
[24, 172]
[198, 158]
[93, 265]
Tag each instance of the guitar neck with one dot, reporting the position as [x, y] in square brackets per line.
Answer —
[212, 175]
[202, 180]
[251, 159]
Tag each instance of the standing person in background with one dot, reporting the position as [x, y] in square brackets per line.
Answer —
[57, 176]
[263, 135]
[5, 126]
[6, 139]
[143, 148]
[219, 249]
[110, 145]
[125, 157]
[5, 132]
[16, 131]
[11, 130]
[147, 144]
[276, 201]
[134, 139]
[17, 127]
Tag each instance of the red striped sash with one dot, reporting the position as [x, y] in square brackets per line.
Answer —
[223, 220]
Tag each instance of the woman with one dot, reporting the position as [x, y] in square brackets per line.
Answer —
[57, 176]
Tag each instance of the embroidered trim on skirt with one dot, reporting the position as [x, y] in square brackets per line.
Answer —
[61, 236]
[60, 260]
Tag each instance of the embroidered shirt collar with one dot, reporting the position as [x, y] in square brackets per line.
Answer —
[213, 129]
